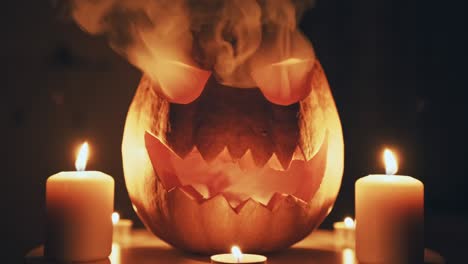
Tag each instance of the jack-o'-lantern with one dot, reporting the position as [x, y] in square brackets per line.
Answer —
[233, 136]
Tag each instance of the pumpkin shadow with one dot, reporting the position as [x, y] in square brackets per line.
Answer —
[311, 255]
[156, 255]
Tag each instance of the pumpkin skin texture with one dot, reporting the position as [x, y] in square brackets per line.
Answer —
[230, 167]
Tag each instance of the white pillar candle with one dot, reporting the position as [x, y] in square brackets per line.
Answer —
[389, 217]
[237, 256]
[79, 206]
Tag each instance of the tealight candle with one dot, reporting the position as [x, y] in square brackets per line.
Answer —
[78, 209]
[237, 256]
[122, 228]
[344, 233]
[389, 217]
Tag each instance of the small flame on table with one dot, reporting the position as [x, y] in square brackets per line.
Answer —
[237, 253]
[349, 222]
[115, 218]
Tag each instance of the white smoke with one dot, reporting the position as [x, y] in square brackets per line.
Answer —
[227, 37]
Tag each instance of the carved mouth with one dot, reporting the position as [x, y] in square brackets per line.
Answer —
[237, 179]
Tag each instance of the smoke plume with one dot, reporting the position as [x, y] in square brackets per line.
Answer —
[226, 37]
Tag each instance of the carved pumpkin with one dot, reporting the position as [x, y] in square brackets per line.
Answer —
[228, 166]
[233, 136]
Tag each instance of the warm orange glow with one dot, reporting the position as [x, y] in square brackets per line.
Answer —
[349, 222]
[177, 81]
[236, 252]
[348, 256]
[135, 208]
[391, 165]
[115, 218]
[289, 61]
[286, 81]
[115, 256]
[82, 158]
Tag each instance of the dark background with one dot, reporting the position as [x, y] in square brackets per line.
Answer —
[397, 69]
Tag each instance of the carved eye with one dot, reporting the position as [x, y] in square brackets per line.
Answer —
[179, 82]
[282, 67]
[284, 82]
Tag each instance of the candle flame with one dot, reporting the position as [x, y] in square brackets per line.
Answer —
[237, 253]
[349, 222]
[391, 165]
[80, 163]
[115, 218]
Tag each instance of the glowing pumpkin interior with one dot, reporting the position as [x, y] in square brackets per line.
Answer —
[238, 144]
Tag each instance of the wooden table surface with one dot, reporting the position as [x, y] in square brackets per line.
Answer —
[144, 248]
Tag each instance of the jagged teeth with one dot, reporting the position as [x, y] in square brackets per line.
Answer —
[191, 192]
[299, 154]
[224, 155]
[247, 161]
[275, 164]
[276, 200]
